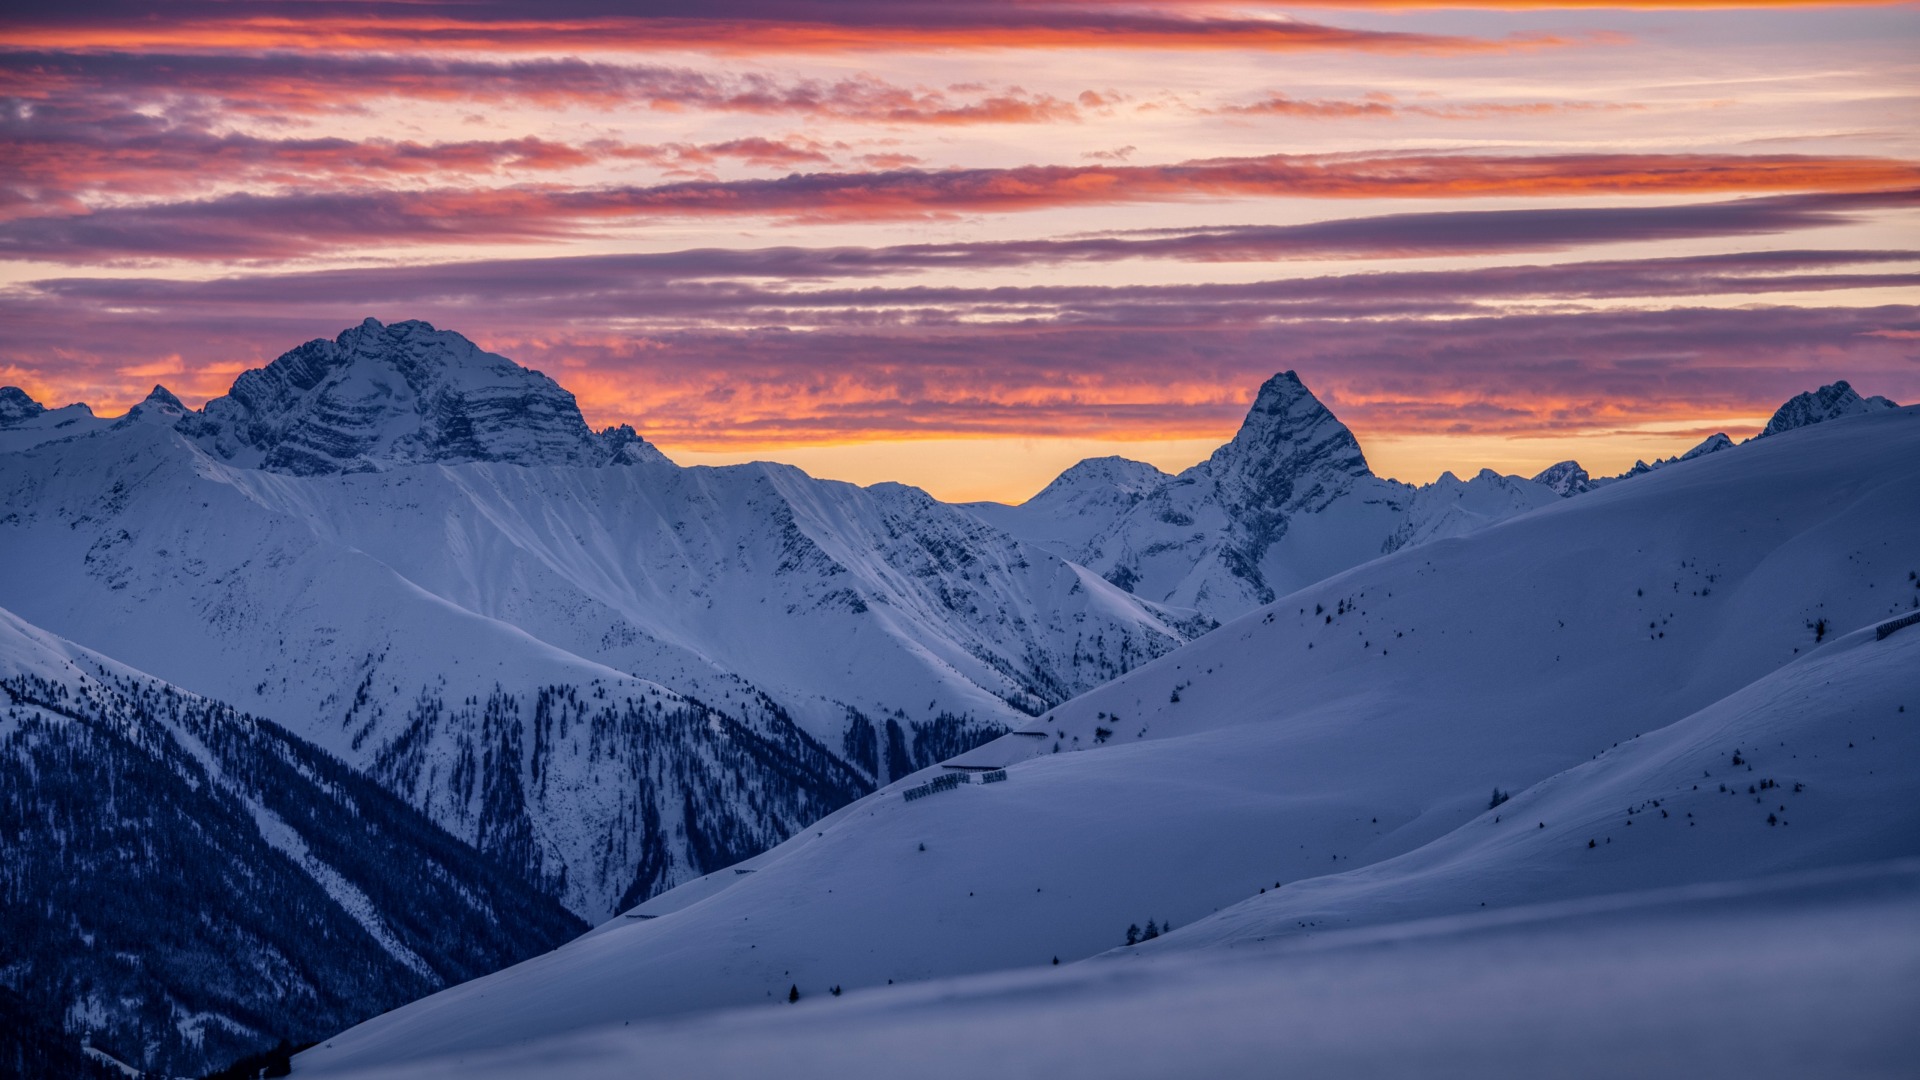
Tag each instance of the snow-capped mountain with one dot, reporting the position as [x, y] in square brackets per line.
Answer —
[608, 671]
[1830, 402]
[1579, 664]
[1565, 478]
[1289, 500]
[25, 422]
[379, 396]
[187, 884]
[1078, 506]
[1568, 478]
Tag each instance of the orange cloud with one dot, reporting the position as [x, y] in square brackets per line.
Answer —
[1375, 106]
[771, 29]
[303, 222]
[272, 86]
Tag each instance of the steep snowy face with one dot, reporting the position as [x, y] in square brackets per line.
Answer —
[1289, 455]
[378, 396]
[1830, 402]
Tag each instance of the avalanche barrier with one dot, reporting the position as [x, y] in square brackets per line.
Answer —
[1880, 632]
[936, 785]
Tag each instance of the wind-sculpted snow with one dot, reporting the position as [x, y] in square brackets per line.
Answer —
[1345, 725]
[378, 396]
[186, 884]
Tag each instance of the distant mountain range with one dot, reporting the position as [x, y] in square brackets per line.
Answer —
[602, 674]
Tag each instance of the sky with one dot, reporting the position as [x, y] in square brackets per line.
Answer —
[965, 243]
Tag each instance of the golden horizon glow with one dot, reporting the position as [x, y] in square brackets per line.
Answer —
[962, 247]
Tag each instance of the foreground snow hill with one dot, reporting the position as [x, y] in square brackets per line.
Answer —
[1361, 719]
[1804, 767]
[614, 673]
[186, 884]
[1813, 975]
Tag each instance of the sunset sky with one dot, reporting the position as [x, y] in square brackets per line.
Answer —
[965, 243]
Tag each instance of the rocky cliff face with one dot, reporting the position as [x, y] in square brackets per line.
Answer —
[1291, 455]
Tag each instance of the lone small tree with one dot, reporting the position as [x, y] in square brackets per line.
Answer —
[793, 993]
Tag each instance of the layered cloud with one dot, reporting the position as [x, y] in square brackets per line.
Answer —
[282, 225]
[1382, 106]
[718, 25]
[1510, 374]
[780, 222]
[1507, 350]
[281, 84]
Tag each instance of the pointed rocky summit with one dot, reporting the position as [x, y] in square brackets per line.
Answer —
[1290, 452]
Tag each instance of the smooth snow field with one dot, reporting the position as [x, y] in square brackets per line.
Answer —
[1816, 976]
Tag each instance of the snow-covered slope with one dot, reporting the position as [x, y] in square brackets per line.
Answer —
[25, 422]
[596, 784]
[616, 676]
[1286, 502]
[1786, 978]
[1802, 768]
[185, 884]
[1357, 720]
[1079, 506]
